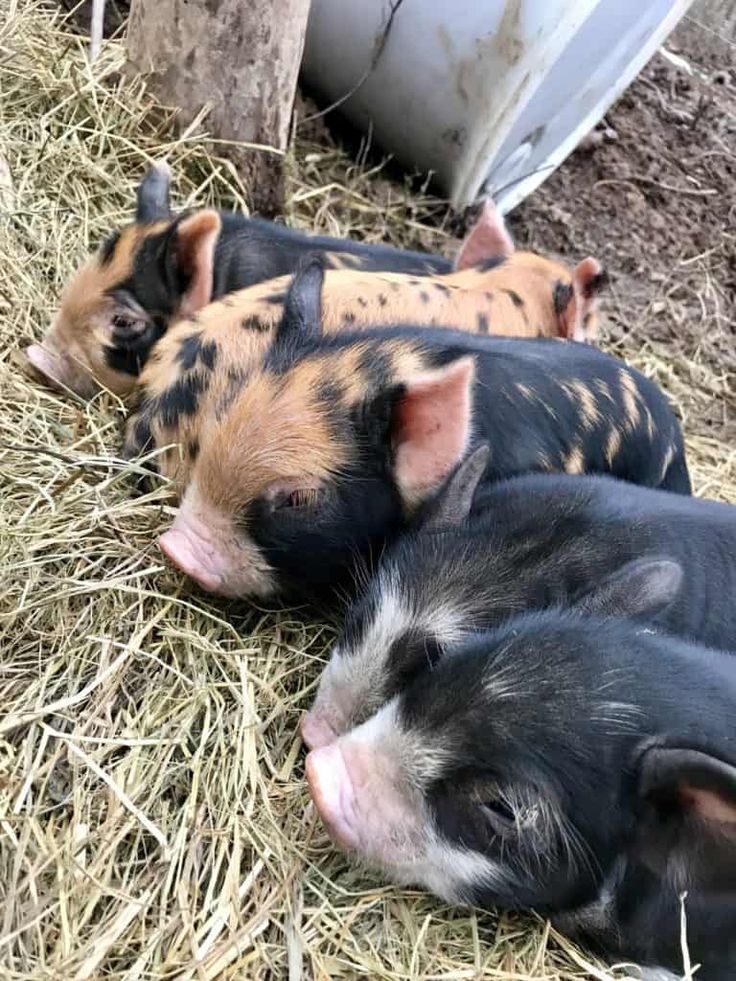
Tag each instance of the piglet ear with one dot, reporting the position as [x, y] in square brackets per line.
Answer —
[302, 316]
[578, 321]
[638, 587]
[487, 239]
[196, 238]
[687, 816]
[431, 428]
[153, 195]
[455, 500]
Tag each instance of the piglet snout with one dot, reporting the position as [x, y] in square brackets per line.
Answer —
[333, 794]
[188, 544]
[317, 731]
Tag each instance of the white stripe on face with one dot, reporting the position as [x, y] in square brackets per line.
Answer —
[380, 808]
[353, 683]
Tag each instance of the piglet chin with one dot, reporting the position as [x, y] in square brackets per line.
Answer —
[333, 794]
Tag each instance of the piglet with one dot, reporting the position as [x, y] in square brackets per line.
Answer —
[530, 543]
[581, 767]
[322, 453]
[518, 294]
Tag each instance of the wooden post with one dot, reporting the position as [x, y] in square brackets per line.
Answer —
[240, 56]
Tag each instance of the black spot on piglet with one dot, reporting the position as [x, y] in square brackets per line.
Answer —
[189, 351]
[562, 296]
[193, 349]
[181, 398]
[254, 323]
[515, 299]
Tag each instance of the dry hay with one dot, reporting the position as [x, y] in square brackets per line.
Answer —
[154, 817]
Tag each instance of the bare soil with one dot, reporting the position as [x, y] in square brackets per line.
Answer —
[652, 194]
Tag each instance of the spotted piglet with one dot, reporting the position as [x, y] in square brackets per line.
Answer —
[164, 268]
[322, 453]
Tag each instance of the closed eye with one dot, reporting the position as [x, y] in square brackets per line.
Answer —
[302, 497]
[128, 327]
[496, 812]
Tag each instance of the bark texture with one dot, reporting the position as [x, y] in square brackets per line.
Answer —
[242, 58]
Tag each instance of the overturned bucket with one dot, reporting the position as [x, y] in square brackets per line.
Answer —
[488, 95]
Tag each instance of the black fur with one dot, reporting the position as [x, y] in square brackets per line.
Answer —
[485, 265]
[107, 249]
[562, 296]
[255, 323]
[180, 399]
[569, 712]
[515, 299]
[545, 541]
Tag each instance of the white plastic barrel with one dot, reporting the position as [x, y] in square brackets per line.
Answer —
[483, 93]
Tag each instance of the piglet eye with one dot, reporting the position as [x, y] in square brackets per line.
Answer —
[300, 497]
[126, 325]
[497, 813]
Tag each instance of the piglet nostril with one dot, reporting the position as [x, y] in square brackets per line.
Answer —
[179, 549]
[316, 731]
[333, 794]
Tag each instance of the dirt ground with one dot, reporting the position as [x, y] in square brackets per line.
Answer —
[652, 194]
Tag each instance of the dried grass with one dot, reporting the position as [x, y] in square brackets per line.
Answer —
[154, 821]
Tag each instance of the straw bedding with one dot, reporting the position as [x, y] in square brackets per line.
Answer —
[154, 821]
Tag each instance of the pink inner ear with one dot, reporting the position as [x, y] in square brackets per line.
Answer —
[487, 239]
[583, 301]
[708, 805]
[432, 428]
[197, 238]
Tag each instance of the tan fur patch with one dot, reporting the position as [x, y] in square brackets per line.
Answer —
[274, 430]
[575, 461]
[613, 445]
[524, 391]
[630, 396]
[669, 456]
[278, 428]
[604, 390]
[589, 410]
[80, 330]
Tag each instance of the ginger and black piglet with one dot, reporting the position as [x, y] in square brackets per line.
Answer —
[323, 453]
[581, 767]
[532, 543]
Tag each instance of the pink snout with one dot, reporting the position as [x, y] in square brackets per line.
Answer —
[189, 545]
[317, 731]
[333, 794]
